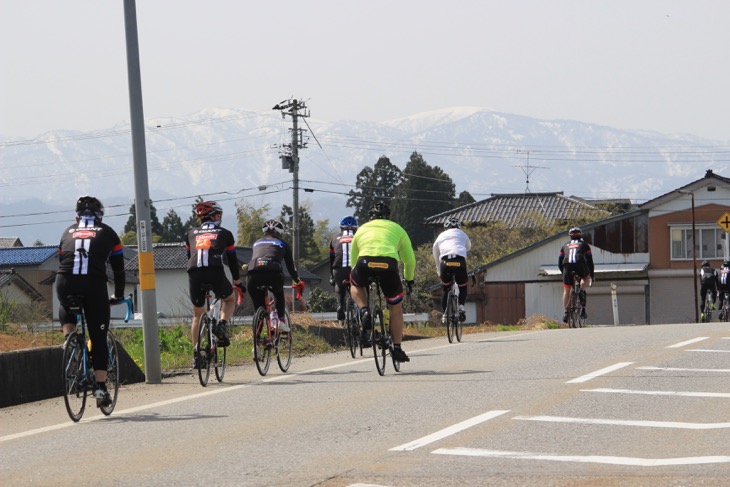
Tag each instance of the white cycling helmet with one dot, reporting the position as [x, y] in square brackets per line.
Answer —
[273, 227]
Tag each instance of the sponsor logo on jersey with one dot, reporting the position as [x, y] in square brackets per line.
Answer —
[84, 234]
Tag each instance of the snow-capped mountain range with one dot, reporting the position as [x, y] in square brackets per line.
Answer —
[234, 155]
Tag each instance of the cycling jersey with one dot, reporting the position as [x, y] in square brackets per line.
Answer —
[577, 256]
[206, 246]
[85, 248]
[384, 238]
[340, 249]
[453, 242]
[265, 268]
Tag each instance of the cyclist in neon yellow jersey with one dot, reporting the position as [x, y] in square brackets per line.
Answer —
[376, 249]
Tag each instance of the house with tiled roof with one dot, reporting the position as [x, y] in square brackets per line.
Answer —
[10, 242]
[645, 256]
[34, 264]
[16, 289]
[514, 210]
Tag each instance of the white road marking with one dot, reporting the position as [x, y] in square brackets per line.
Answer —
[688, 342]
[663, 393]
[597, 373]
[639, 462]
[449, 431]
[618, 422]
[707, 350]
[680, 369]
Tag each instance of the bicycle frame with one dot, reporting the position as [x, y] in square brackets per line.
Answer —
[382, 340]
[576, 308]
[78, 373]
[266, 337]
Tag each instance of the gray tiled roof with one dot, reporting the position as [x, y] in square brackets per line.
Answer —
[512, 208]
[174, 256]
[26, 255]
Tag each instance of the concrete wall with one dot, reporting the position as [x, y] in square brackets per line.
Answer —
[35, 374]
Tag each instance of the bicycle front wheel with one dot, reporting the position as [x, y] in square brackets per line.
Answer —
[352, 330]
[75, 389]
[112, 373]
[284, 346]
[261, 341]
[380, 340]
[204, 349]
[220, 363]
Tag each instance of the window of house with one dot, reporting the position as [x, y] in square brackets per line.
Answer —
[710, 241]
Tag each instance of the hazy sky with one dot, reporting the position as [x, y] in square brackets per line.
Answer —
[636, 64]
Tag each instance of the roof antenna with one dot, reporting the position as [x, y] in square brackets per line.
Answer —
[528, 169]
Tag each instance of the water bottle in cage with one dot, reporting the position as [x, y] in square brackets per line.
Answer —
[274, 317]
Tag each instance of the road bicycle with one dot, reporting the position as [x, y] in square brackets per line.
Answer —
[352, 324]
[209, 351]
[77, 367]
[707, 311]
[725, 309]
[576, 307]
[268, 337]
[382, 340]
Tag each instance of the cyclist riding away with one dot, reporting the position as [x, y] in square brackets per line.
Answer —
[85, 248]
[723, 283]
[449, 252]
[210, 246]
[576, 256]
[377, 248]
[265, 268]
[708, 282]
[340, 261]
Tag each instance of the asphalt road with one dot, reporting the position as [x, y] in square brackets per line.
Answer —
[605, 406]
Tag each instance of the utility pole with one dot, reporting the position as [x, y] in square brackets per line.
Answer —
[143, 204]
[290, 160]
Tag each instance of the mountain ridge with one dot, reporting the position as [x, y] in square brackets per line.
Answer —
[230, 154]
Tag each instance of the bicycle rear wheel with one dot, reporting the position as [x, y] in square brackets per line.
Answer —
[380, 341]
[451, 317]
[75, 389]
[284, 346]
[261, 341]
[204, 349]
[112, 373]
[458, 324]
[220, 363]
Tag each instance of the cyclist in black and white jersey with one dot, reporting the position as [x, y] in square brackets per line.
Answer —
[340, 261]
[576, 255]
[210, 247]
[723, 282]
[449, 252]
[85, 248]
[708, 282]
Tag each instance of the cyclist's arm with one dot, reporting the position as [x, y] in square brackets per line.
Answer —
[116, 259]
[289, 260]
[561, 256]
[405, 251]
[589, 260]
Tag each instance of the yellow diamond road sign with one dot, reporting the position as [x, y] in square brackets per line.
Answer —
[724, 221]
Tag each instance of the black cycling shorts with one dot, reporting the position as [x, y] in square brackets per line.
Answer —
[386, 268]
[215, 277]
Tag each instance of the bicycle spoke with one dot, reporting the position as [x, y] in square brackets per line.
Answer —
[112, 373]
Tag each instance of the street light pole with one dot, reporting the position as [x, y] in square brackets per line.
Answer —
[694, 256]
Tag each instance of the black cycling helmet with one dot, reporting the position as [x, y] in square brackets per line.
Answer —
[726, 263]
[88, 205]
[273, 227]
[452, 222]
[705, 263]
[575, 232]
[349, 222]
[379, 210]
[207, 209]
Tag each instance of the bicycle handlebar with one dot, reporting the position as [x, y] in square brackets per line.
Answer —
[130, 306]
